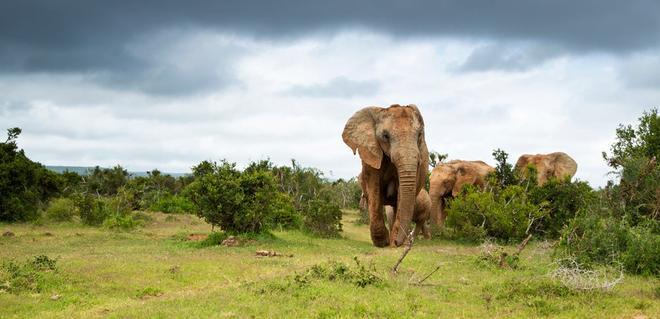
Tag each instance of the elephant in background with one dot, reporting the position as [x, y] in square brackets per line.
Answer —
[391, 145]
[554, 165]
[447, 181]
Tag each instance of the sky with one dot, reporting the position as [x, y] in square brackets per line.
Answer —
[167, 84]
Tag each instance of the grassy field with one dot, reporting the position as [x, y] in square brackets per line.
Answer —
[155, 272]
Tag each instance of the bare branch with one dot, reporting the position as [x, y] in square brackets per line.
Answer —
[410, 240]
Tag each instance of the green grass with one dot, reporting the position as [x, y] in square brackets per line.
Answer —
[154, 272]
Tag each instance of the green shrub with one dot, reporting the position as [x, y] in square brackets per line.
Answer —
[172, 204]
[601, 238]
[562, 200]
[24, 185]
[322, 218]
[32, 275]
[121, 222]
[505, 215]
[360, 275]
[61, 209]
[92, 210]
[239, 202]
[284, 215]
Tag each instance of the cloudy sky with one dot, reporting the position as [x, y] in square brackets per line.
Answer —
[167, 84]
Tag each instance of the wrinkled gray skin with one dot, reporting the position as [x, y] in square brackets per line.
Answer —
[391, 145]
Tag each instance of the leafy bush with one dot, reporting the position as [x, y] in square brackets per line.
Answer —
[32, 275]
[601, 238]
[92, 210]
[505, 215]
[322, 218]
[360, 275]
[284, 215]
[24, 185]
[238, 202]
[562, 200]
[61, 209]
[172, 204]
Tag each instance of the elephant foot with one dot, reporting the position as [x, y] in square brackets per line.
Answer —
[380, 239]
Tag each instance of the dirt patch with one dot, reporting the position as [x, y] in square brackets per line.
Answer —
[8, 234]
[197, 237]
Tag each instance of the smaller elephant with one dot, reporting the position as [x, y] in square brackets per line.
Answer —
[447, 181]
[554, 165]
[421, 215]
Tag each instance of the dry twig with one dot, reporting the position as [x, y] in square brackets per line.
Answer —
[410, 240]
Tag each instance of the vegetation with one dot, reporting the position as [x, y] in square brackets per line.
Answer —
[25, 186]
[153, 273]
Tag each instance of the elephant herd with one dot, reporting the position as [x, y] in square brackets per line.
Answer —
[395, 161]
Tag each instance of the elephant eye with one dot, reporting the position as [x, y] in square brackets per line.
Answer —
[386, 136]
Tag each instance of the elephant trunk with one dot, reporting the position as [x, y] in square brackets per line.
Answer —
[406, 199]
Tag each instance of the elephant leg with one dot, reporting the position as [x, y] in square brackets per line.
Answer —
[426, 232]
[442, 214]
[379, 234]
[394, 226]
[436, 210]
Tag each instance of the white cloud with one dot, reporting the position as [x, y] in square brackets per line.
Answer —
[570, 103]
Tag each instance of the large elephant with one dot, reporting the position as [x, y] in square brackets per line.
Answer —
[558, 165]
[447, 180]
[391, 145]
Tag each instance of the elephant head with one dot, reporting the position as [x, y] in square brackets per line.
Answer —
[554, 165]
[448, 179]
[390, 143]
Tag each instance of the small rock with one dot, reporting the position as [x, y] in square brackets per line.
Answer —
[55, 297]
[8, 234]
[231, 241]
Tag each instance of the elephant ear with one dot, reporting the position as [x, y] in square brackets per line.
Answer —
[423, 148]
[360, 134]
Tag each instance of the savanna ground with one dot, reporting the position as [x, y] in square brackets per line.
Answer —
[156, 272]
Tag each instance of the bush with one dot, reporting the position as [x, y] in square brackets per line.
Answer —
[506, 215]
[172, 204]
[322, 218]
[24, 185]
[92, 210]
[246, 202]
[284, 215]
[61, 210]
[593, 238]
[562, 200]
[32, 275]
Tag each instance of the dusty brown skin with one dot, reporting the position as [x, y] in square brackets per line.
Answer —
[421, 214]
[391, 145]
[558, 165]
[447, 180]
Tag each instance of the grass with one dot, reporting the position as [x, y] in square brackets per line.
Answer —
[154, 272]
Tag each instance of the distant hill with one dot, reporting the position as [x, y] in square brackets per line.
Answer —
[84, 170]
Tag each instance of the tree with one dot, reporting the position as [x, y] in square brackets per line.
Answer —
[24, 185]
[504, 172]
[436, 158]
[634, 142]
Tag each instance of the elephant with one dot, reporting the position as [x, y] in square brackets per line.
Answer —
[447, 180]
[554, 165]
[421, 214]
[392, 148]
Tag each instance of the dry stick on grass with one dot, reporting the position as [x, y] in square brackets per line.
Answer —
[410, 239]
[503, 263]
